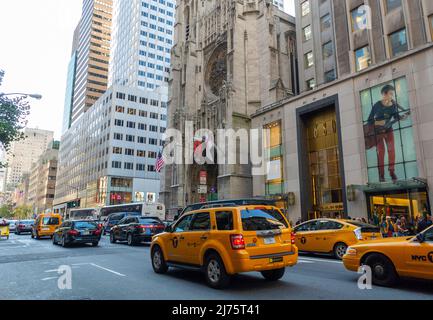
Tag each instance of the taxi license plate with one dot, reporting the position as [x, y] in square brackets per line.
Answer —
[269, 240]
[275, 260]
[46, 229]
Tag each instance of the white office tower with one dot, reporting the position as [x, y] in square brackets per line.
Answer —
[141, 43]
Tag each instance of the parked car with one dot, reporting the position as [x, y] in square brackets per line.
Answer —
[136, 229]
[221, 242]
[12, 225]
[45, 225]
[24, 226]
[114, 218]
[77, 232]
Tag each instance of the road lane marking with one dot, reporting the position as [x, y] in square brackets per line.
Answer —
[112, 271]
[322, 260]
[304, 261]
[50, 271]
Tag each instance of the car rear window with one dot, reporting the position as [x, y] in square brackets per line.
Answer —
[149, 221]
[262, 219]
[85, 225]
[50, 221]
[27, 222]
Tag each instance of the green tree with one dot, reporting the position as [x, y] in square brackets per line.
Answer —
[6, 211]
[23, 212]
[13, 115]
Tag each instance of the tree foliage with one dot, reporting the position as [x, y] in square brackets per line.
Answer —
[23, 212]
[6, 211]
[13, 114]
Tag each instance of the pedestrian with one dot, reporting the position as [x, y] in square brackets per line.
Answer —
[424, 223]
[402, 227]
[388, 228]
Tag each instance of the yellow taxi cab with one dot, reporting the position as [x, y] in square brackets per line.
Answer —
[333, 236]
[45, 225]
[225, 241]
[391, 258]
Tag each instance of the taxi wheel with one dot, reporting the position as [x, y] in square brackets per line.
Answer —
[382, 269]
[54, 240]
[215, 272]
[158, 263]
[273, 275]
[340, 250]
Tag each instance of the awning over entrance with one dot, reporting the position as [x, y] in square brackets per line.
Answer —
[414, 183]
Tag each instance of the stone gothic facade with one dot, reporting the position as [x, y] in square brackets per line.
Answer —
[230, 58]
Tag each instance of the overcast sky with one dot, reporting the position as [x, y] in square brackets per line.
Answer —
[36, 40]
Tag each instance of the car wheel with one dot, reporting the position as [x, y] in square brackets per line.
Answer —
[215, 272]
[33, 236]
[54, 240]
[64, 244]
[37, 236]
[17, 233]
[112, 238]
[95, 244]
[273, 275]
[130, 239]
[340, 250]
[382, 269]
[158, 263]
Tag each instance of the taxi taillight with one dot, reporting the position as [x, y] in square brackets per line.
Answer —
[237, 241]
[293, 237]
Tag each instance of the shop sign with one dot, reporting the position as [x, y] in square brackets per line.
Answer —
[202, 190]
[332, 207]
[203, 177]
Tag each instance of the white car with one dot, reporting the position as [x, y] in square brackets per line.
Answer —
[12, 225]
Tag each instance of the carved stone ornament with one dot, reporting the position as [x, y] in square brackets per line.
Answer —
[216, 71]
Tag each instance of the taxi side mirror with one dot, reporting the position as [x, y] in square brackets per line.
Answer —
[420, 237]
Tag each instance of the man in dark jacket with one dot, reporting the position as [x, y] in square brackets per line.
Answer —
[424, 223]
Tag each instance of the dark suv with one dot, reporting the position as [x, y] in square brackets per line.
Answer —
[114, 218]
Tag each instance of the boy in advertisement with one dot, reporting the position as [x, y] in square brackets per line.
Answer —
[384, 115]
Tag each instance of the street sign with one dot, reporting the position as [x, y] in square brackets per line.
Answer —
[203, 177]
[202, 190]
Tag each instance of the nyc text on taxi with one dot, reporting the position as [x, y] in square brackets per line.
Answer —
[392, 258]
[225, 241]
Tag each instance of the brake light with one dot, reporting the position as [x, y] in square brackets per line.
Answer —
[73, 232]
[293, 237]
[237, 241]
[97, 232]
[21, 226]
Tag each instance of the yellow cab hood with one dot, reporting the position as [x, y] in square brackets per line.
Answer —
[384, 241]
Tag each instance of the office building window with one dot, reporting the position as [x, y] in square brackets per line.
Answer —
[305, 8]
[307, 32]
[116, 165]
[309, 59]
[311, 84]
[325, 22]
[363, 59]
[141, 153]
[398, 42]
[129, 152]
[392, 4]
[129, 166]
[117, 150]
[330, 75]
[359, 19]
[328, 50]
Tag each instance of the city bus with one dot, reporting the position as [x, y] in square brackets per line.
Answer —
[83, 214]
[146, 209]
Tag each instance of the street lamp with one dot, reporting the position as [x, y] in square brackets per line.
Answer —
[32, 95]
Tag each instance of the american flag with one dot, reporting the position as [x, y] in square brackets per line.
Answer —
[159, 162]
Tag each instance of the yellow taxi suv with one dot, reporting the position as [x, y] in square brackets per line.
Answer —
[333, 236]
[392, 258]
[222, 242]
[45, 225]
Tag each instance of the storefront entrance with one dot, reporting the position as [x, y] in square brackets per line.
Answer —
[410, 203]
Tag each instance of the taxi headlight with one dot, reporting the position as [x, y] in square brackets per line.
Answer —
[358, 233]
[351, 251]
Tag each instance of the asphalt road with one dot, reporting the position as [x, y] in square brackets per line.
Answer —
[28, 271]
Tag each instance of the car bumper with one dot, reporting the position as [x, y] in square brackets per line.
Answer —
[82, 240]
[351, 263]
[266, 262]
[24, 230]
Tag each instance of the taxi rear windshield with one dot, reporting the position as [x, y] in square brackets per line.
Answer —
[262, 219]
[50, 221]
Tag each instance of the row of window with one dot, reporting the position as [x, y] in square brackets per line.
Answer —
[160, 10]
[130, 166]
[132, 152]
[133, 98]
[142, 140]
[140, 126]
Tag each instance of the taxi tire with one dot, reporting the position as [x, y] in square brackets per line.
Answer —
[339, 246]
[273, 275]
[163, 268]
[375, 260]
[224, 278]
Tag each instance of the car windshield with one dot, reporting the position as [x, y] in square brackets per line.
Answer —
[262, 219]
[150, 221]
[27, 222]
[50, 221]
[85, 225]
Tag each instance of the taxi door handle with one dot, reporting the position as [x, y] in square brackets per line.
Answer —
[182, 238]
[203, 237]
